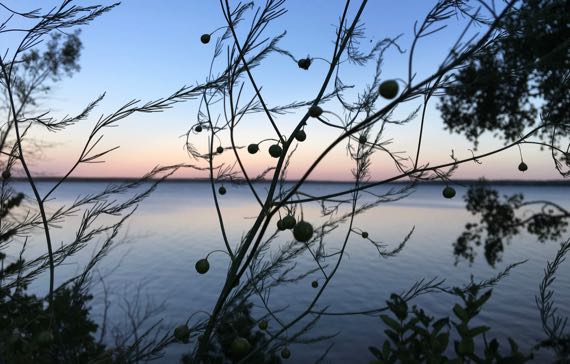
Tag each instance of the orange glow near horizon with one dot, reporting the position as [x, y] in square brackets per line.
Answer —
[129, 163]
[149, 142]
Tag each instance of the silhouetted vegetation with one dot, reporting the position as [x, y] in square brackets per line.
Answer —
[25, 326]
[499, 80]
[238, 322]
[414, 336]
[501, 218]
[521, 75]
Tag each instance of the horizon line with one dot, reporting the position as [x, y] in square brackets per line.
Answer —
[198, 179]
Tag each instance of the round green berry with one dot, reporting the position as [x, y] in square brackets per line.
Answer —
[448, 192]
[240, 346]
[315, 111]
[205, 38]
[202, 266]
[303, 231]
[285, 353]
[304, 63]
[289, 222]
[280, 225]
[252, 148]
[182, 333]
[275, 151]
[523, 167]
[389, 89]
[263, 325]
[301, 135]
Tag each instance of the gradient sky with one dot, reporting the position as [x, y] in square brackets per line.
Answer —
[146, 49]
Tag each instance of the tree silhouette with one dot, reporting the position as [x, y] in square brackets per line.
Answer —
[516, 82]
[501, 218]
[519, 76]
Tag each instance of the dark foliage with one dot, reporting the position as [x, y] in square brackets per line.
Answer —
[29, 334]
[415, 337]
[238, 322]
[500, 221]
[60, 58]
[529, 61]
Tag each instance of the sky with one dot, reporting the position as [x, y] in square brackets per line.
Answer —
[145, 50]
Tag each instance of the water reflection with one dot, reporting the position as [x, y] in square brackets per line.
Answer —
[503, 217]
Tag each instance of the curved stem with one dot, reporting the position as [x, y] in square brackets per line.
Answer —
[248, 71]
[409, 92]
[413, 171]
[232, 140]
[212, 185]
[328, 278]
[302, 123]
[265, 216]
[7, 80]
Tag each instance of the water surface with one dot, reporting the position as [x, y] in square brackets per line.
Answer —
[177, 225]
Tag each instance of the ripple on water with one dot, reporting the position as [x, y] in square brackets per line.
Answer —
[177, 226]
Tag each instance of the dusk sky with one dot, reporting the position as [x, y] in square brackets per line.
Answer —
[146, 49]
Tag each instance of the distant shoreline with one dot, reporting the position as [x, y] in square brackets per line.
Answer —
[201, 180]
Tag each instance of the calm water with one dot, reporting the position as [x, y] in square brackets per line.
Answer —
[177, 225]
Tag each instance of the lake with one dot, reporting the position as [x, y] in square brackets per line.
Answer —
[177, 225]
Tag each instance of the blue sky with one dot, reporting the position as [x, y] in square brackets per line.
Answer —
[146, 49]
